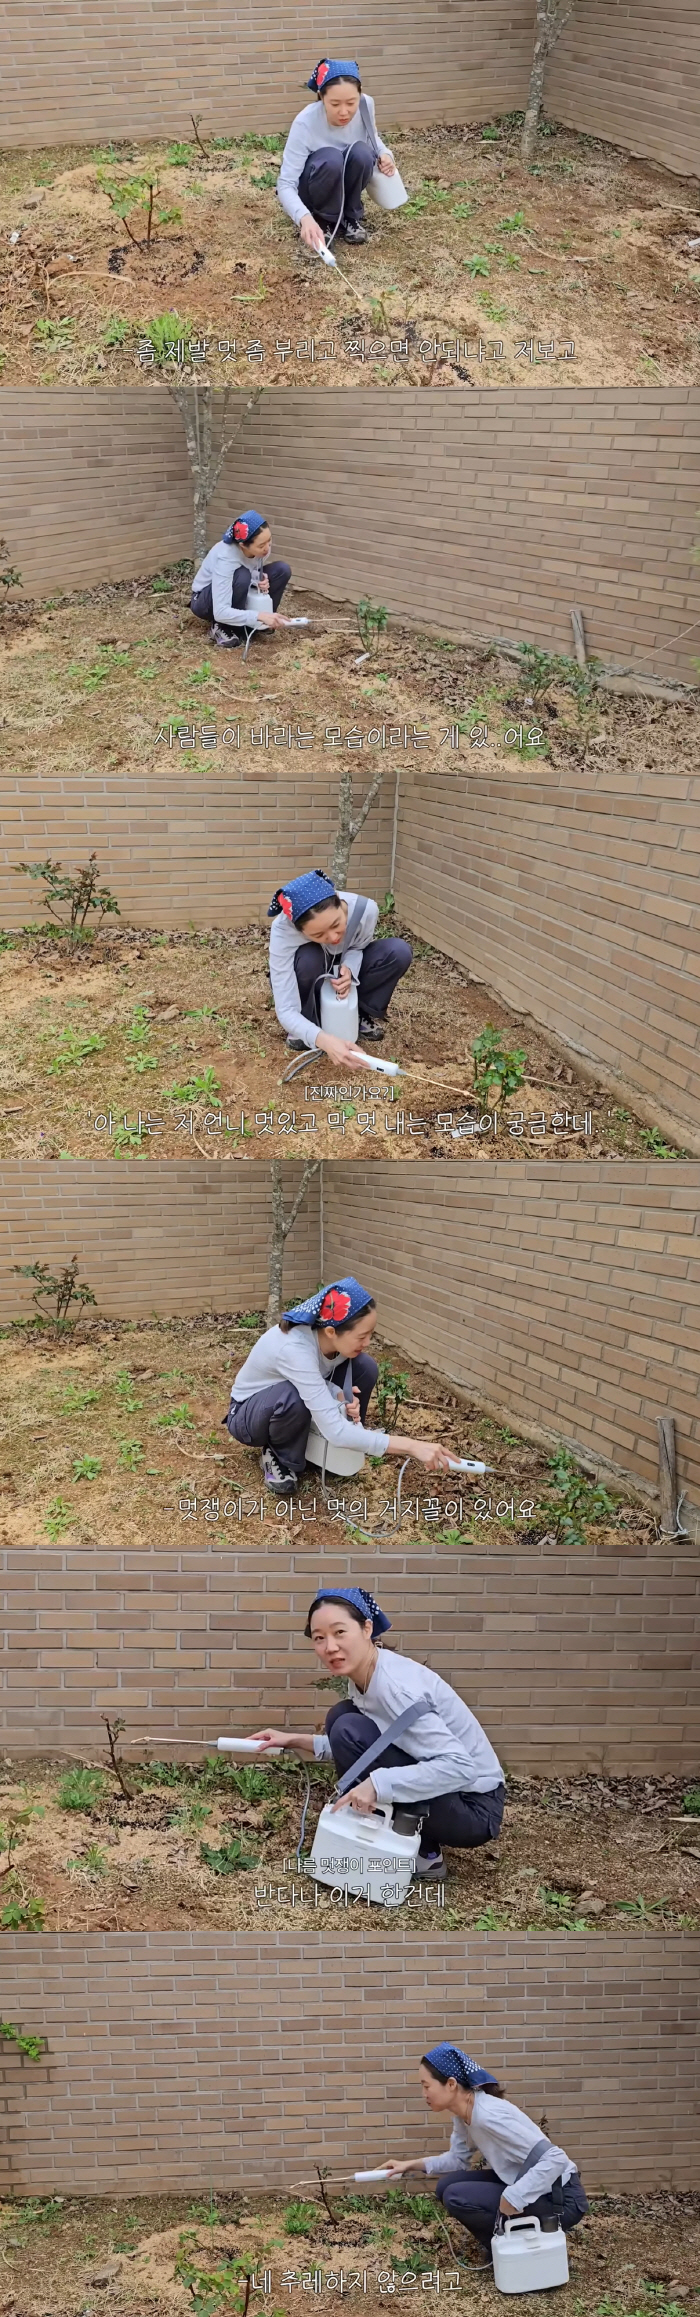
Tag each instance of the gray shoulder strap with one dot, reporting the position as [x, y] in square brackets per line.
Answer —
[359, 1769]
[366, 119]
[354, 922]
[533, 2157]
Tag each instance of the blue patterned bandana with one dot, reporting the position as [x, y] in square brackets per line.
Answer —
[302, 893]
[244, 528]
[344, 1299]
[450, 2061]
[360, 1600]
[333, 68]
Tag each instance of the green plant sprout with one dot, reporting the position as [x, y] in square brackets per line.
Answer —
[372, 621]
[74, 1048]
[165, 332]
[22, 1915]
[581, 1500]
[75, 1401]
[205, 1086]
[9, 576]
[176, 1419]
[391, 1390]
[140, 194]
[32, 2047]
[81, 893]
[63, 1288]
[131, 1455]
[494, 1067]
[58, 1518]
[56, 332]
[124, 1388]
[229, 1859]
[86, 1467]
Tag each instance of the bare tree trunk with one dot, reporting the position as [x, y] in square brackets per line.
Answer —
[208, 443]
[550, 19]
[281, 1226]
[349, 824]
[668, 1480]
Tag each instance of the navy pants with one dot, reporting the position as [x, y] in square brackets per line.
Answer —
[383, 963]
[463, 1820]
[277, 1418]
[279, 575]
[321, 186]
[474, 2197]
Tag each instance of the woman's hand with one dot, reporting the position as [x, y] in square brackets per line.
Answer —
[337, 1049]
[342, 981]
[266, 1738]
[423, 1451]
[263, 583]
[387, 165]
[504, 2206]
[361, 1798]
[352, 1409]
[311, 234]
[271, 619]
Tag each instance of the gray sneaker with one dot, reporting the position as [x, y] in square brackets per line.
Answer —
[430, 1867]
[280, 1482]
[226, 638]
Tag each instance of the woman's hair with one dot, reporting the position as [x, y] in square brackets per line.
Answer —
[495, 2091]
[317, 908]
[343, 1326]
[350, 1606]
[351, 80]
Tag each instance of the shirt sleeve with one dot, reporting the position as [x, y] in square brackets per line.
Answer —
[443, 1766]
[323, 1751]
[295, 153]
[548, 2168]
[457, 2155]
[365, 934]
[301, 1368]
[285, 988]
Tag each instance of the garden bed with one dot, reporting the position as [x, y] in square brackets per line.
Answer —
[116, 1022]
[591, 247]
[634, 2256]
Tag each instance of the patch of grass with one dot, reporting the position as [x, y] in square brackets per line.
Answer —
[80, 1789]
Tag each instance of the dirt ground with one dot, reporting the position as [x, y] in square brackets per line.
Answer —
[112, 1029]
[581, 1853]
[589, 247]
[633, 2256]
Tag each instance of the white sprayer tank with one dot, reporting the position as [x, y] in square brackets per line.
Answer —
[526, 2259]
[364, 1854]
[340, 1016]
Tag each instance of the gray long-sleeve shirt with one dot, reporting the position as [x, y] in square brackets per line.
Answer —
[503, 2134]
[219, 568]
[285, 940]
[308, 133]
[296, 1358]
[451, 1753]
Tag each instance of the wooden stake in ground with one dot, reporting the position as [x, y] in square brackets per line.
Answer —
[668, 1479]
[550, 19]
[579, 635]
[281, 1226]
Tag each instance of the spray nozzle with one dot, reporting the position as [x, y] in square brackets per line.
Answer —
[467, 1464]
[373, 1062]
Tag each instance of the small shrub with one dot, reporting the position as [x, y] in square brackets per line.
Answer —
[494, 1067]
[137, 195]
[62, 1289]
[81, 893]
[80, 1789]
[372, 620]
[22, 1915]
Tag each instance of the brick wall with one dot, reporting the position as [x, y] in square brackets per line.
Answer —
[161, 2069]
[579, 1660]
[117, 68]
[179, 846]
[620, 71]
[176, 1240]
[574, 895]
[568, 1297]
[629, 70]
[522, 503]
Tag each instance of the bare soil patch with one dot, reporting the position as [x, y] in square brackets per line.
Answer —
[590, 247]
[637, 2256]
[110, 1029]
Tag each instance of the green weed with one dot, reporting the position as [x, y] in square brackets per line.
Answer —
[80, 1789]
[229, 1859]
[494, 1067]
[73, 1049]
[58, 1518]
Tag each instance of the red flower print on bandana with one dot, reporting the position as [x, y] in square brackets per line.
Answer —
[322, 74]
[285, 904]
[240, 530]
[335, 1306]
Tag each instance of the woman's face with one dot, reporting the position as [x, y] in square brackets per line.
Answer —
[327, 925]
[353, 1340]
[260, 545]
[340, 1643]
[340, 103]
[439, 2097]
